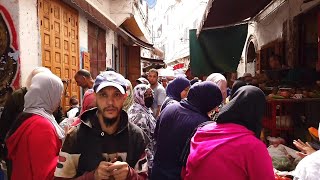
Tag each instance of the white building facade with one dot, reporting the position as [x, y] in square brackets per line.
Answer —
[172, 21]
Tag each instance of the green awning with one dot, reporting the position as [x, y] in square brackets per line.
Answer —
[216, 50]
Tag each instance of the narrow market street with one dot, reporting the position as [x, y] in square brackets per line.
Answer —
[160, 89]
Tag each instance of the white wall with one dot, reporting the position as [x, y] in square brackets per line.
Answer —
[138, 17]
[242, 62]
[29, 38]
[241, 68]
[158, 18]
[175, 31]
[103, 6]
[110, 39]
[269, 25]
[83, 32]
[120, 10]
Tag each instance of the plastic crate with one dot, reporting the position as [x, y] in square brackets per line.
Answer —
[277, 117]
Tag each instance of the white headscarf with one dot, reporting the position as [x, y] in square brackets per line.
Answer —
[43, 98]
[221, 82]
[35, 71]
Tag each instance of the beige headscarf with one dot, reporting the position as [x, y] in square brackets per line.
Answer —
[43, 98]
[221, 82]
[129, 100]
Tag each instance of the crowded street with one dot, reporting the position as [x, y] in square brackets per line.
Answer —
[159, 90]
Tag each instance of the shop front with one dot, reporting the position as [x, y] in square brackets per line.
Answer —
[281, 50]
[287, 70]
[281, 43]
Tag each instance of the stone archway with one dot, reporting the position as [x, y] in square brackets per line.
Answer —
[251, 55]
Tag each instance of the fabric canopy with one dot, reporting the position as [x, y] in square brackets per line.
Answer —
[216, 50]
[227, 12]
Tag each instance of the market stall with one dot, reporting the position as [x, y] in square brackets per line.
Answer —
[292, 102]
[282, 115]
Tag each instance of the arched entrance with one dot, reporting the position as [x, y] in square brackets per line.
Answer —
[251, 55]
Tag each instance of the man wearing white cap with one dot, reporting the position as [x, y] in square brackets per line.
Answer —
[105, 145]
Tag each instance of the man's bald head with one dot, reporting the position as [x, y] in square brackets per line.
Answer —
[84, 79]
[85, 73]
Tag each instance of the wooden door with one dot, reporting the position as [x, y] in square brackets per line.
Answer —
[125, 60]
[73, 52]
[97, 48]
[46, 39]
[57, 35]
[134, 64]
[60, 47]
[86, 61]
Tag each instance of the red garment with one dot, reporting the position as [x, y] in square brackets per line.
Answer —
[33, 149]
[89, 100]
[76, 121]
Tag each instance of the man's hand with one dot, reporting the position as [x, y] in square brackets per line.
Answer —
[119, 170]
[101, 172]
[305, 148]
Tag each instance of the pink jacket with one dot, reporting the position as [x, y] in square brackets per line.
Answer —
[227, 151]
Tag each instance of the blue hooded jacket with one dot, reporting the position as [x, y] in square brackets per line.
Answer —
[174, 90]
[176, 124]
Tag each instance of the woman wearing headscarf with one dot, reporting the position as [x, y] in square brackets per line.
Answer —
[129, 100]
[230, 148]
[12, 108]
[14, 104]
[177, 89]
[221, 82]
[141, 115]
[35, 138]
[235, 86]
[176, 124]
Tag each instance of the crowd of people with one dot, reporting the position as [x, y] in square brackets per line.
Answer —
[185, 130]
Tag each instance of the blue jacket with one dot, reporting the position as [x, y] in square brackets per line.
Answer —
[175, 125]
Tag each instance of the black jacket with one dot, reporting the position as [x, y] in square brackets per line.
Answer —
[88, 145]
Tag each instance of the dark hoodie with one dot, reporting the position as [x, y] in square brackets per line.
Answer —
[88, 145]
[176, 124]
